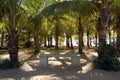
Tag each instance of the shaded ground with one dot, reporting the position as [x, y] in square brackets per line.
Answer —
[58, 69]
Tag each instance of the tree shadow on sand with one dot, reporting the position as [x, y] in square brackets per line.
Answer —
[31, 70]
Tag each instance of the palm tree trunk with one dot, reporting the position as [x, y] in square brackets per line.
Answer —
[67, 41]
[80, 36]
[51, 40]
[71, 42]
[56, 37]
[118, 30]
[13, 45]
[45, 42]
[109, 37]
[104, 19]
[96, 41]
[2, 39]
[36, 43]
[48, 40]
[88, 39]
[12, 40]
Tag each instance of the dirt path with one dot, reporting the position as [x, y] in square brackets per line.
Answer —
[58, 71]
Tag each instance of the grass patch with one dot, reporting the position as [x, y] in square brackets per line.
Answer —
[2, 51]
[6, 64]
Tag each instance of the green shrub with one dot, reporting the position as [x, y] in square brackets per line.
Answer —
[107, 58]
[6, 64]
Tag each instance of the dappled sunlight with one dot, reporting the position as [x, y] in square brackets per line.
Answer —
[90, 57]
[45, 77]
[26, 67]
[87, 67]
[83, 61]
[47, 53]
[59, 63]
[8, 79]
[61, 51]
[58, 69]
[4, 56]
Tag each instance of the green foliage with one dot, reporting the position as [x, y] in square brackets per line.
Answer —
[7, 64]
[28, 44]
[107, 58]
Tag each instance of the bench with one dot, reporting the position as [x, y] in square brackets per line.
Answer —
[75, 58]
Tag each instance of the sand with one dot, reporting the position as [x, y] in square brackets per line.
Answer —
[58, 69]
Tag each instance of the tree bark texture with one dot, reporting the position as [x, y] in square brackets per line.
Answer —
[67, 41]
[71, 42]
[2, 39]
[88, 44]
[96, 40]
[80, 36]
[103, 21]
[45, 42]
[36, 43]
[12, 40]
[56, 36]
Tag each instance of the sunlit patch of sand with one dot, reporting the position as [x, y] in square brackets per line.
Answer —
[87, 68]
[82, 61]
[4, 56]
[46, 77]
[26, 67]
[8, 79]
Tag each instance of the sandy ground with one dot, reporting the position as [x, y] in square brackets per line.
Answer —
[58, 69]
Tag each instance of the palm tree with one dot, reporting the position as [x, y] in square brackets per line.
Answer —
[69, 28]
[32, 8]
[12, 12]
[54, 14]
[84, 10]
[65, 8]
[115, 9]
[103, 21]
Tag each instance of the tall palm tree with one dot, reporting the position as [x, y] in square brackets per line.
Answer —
[84, 10]
[12, 12]
[103, 21]
[115, 10]
[14, 16]
[32, 8]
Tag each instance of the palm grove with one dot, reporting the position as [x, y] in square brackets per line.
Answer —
[43, 20]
